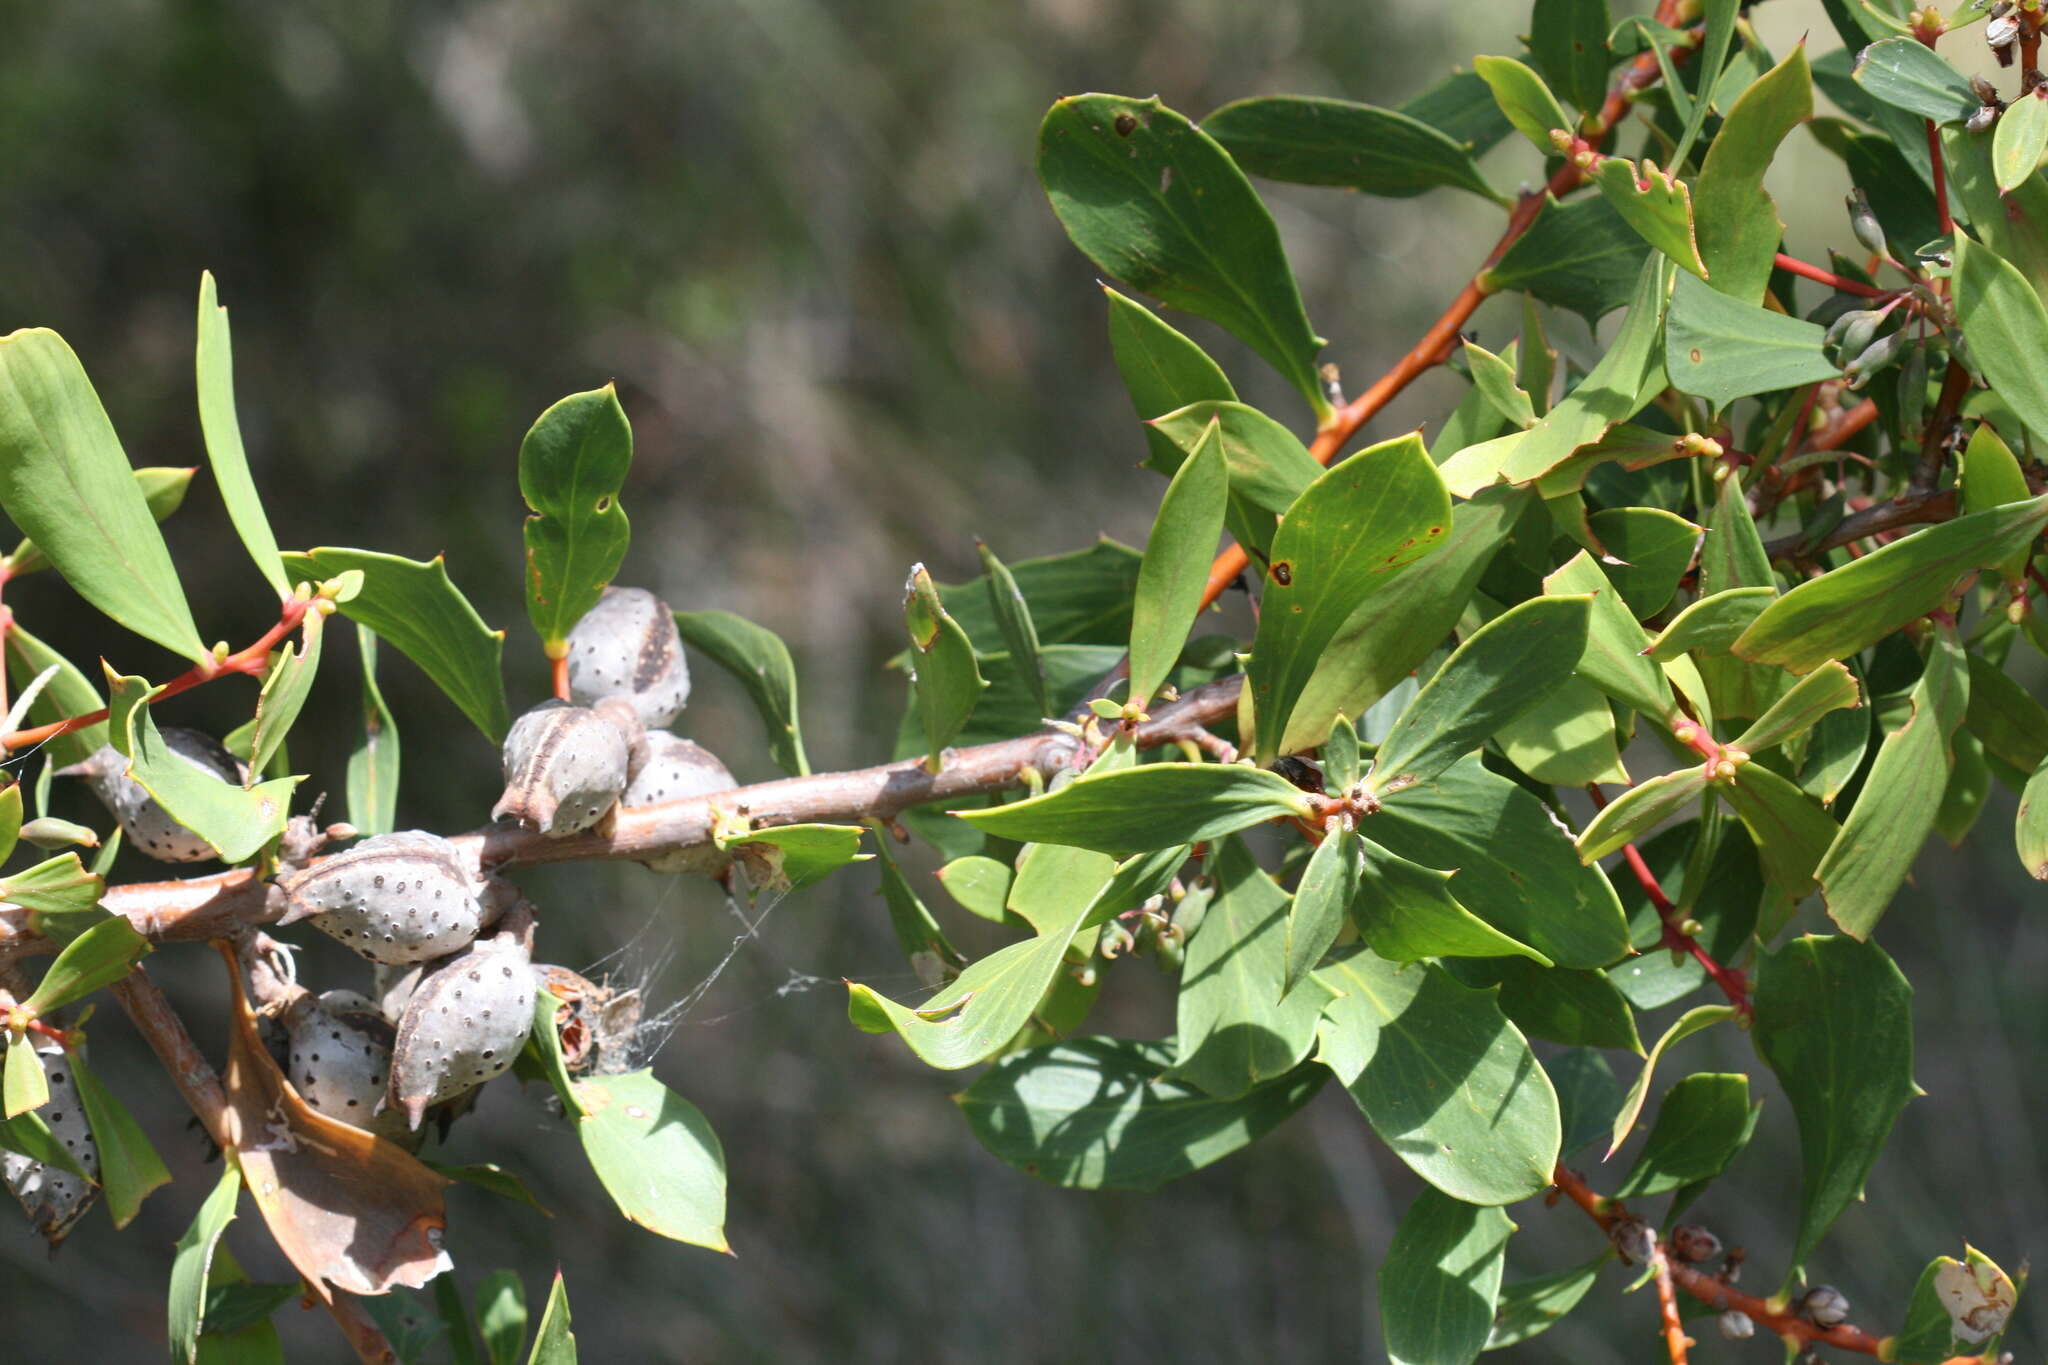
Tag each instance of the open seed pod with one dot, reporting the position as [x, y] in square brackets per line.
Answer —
[55, 1199]
[599, 1025]
[627, 646]
[566, 765]
[464, 1024]
[397, 898]
[149, 826]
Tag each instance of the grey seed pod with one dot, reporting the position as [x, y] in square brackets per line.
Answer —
[464, 1025]
[394, 984]
[627, 646]
[55, 1200]
[149, 826]
[1825, 1306]
[1735, 1326]
[397, 898]
[669, 768]
[564, 768]
[1635, 1241]
[339, 1060]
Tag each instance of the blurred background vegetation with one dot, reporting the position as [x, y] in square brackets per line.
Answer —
[807, 243]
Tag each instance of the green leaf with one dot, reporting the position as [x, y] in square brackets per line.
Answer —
[163, 488]
[1703, 1121]
[979, 884]
[1892, 817]
[1341, 540]
[1175, 571]
[1738, 224]
[28, 1134]
[923, 942]
[1136, 880]
[10, 820]
[657, 1157]
[1516, 867]
[1568, 738]
[572, 463]
[1907, 74]
[501, 1315]
[1615, 642]
[1850, 608]
[1732, 555]
[98, 957]
[1389, 635]
[66, 483]
[373, 763]
[1448, 1084]
[947, 680]
[1722, 349]
[416, 610]
[239, 1330]
[760, 661]
[1580, 255]
[1269, 467]
[2015, 225]
[194, 1256]
[1162, 370]
[1234, 1029]
[1097, 1114]
[1710, 625]
[237, 823]
[1494, 378]
[1499, 672]
[1658, 206]
[1310, 141]
[1152, 806]
[1083, 598]
[1828, 688]
[1155, 202]
[1440, 1279]
[1525, 99]
[1687, 1024]
[57, 890]
[2006, 325]
[1051, 878]
[23, 1086]
[553, 1342]
[1568, 43]
[488, 1175]
[1528, 1308]
[454, 1321]
[1640, 809]
[284, 692]
[129, 1166]
[68, 693]
[1988, 476]
[1013, 618]
[48, 832]
[784, 858]
[1558, 1004]
[1321, 900]
[1405, 912]
[1791, 834]
[544, 1046]
[2012, 725]
[2030, 830]
[1343, 764]
[1651, 551]
[2018, 141]
[215, 365]
[1834, 1022]
[1587, 1095]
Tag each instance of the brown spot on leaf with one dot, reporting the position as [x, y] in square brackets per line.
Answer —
[1283, 573]
[1126, 125]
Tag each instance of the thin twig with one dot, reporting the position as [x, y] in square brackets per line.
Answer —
[1676, 1342]
[1731, 980]
[1793, 265]
[1907, 510]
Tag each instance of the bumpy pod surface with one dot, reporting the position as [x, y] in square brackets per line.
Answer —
[464, 1025]
[339, 1060]
[55, 1200]
[397, 898]
[669, 768]
[149, 826]
[627, 646]
[564, 768]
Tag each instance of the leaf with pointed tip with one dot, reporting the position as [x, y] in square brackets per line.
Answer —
[1136, 880]
[1525, 99]
[284, 693]
[215, 364]
[1648, 552]
[1658, 206]
[415, 608]
[1528, 1308]
[1494, 378]
[1830, 687]
[24, 1088]
[1834, 1022]
[1613, 660]
[1341, 541]
[2006, 325]
[1738, 224]
[1162, 370]
[2012, 725]
[1640, 809]
[1791, 834]
[572, 463]
[373, 763]
[656, 1156]
[1721, 348]
[1269, 466]
[1587, 1095]
[786, 857]
[1445, 1080]
[1907, 74]
[1157, 203]
[98, 957]
[1406, 912]
[1558, 1004]
[1687, 1024]
[1234, 1030]
[66, 483]
[129, 1167]
[1988, 476]
[163, 488]
[553, 1342]
[1440, 1279]
[1321, 898]
[236, 822]
[1850, 608]
[1309, 141]
[68, 693]
[1702, 1122]
[943, 669]
[1710, 624]
[760, 661]
[923, 942]
[1580, 255]
[1567, 739]
[2018, 141]
[1499, 672]
[1013, 618]
[979, 884]
[1175, 571]
[501, 1315]
[1150, 806]
[193, 1259]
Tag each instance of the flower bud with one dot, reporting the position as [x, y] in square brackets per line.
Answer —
[1863, 222]
[1824, 1306]
[1735, 1326]
[1693, 1243]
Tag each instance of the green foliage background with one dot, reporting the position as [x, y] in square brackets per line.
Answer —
[806, 241]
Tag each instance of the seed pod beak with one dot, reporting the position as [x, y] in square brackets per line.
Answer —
[415, 1107]
[535, 809]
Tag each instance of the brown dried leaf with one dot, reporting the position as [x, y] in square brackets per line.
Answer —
[346, 1207]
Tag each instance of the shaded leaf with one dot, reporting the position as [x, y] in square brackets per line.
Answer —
[1702, 1122]
[1406, 912]
[68, 693]
[193, 1258]
[1640, 809]
[98, 957]
[501, 1315]
[1162, 370]
[1722, 348]
[1687, 1024]
[943, 669]
[1828, 688]
[1791, 835]
[1321, 900]
[1568, 43]
[373, 763]
[1580, 255]
[1013, 618]
[1269, 466]
[1310, 141]
[237, 823]
[129, 1167]
[1527, 1308]
[1649, 550]
[1440, 1279]
[284, 692]
[1175, 572]
[1558, 1004]
[760, 661]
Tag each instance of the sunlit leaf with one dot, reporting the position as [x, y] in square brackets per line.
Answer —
[215, 364]
[656, 1155]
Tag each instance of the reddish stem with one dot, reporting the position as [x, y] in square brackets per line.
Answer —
[560, 676]
[1676, 1342]
[1948, 224]
[250, 661]
[1794, 265]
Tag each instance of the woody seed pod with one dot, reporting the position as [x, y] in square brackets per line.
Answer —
[565, 766]
[669, 768]
[627, 646]
[339, 1060]
[55, 1200]
[149, 826]
[464, 1025]
[397, 898]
